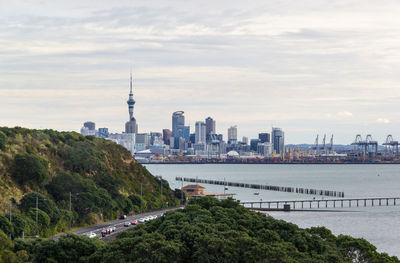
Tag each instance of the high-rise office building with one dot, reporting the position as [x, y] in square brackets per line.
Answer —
[167, 134]
[253, 144]
[90, 125]
[232, 134]
[278, 141]
[179, 130]
[131, 125]
[210, 128]
[264, 137]
[200, 130]
[245, 140]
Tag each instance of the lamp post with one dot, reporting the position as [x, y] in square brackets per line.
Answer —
[10, 211]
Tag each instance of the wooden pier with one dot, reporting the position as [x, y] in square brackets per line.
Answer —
[322, 203]
[287, 189]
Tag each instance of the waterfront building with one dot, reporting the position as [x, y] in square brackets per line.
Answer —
[167, 134]
[103, 133]
[264, 137]
[278, 141]
[232, 135]
[264, 149]
[131, 126]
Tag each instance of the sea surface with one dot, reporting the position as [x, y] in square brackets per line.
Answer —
[378, 225]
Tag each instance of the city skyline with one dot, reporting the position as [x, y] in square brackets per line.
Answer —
[309, 68]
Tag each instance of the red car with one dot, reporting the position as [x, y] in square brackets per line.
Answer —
[103, 233]
[134, 222]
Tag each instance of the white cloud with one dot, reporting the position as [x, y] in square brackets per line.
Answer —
[382, 120]
[302, 65]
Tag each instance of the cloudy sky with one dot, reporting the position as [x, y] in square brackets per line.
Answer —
[310, 67]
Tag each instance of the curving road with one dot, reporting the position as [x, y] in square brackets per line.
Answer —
[118, 224]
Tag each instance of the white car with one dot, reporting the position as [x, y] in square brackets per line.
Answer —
[92, 235]
[126, 224]
[142, 220]
[151, 217]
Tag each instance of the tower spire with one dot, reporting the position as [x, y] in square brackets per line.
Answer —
[131, 82]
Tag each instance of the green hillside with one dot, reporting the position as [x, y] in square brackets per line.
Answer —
[103, 178]
[209, 231]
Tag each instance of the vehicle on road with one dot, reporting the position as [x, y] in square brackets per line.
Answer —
[113, 228]
[141, 220]
[103, 233]
[126, 224]
[134, 222]
[122, 217]
[92, 235]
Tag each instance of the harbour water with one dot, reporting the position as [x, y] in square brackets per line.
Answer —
[378, 225]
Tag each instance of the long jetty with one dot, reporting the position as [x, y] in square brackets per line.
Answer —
[327, 203]
[287, 189]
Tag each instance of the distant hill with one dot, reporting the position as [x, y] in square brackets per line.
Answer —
[103, 178]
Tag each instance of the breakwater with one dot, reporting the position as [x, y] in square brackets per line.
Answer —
[288, 189]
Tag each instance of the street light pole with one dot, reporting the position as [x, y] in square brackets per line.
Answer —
[10, 211]
[70, 201]
[37, 207]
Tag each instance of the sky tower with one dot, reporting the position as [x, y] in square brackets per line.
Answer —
[131, 126]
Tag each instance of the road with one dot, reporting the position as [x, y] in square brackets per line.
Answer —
[118, 224]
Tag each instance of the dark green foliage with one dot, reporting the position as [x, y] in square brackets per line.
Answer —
[45, 204]
[3, 140]
[208, 230]
[86, 196]
[67, 249]
[5, 225]
[7, 252]
[30, 169]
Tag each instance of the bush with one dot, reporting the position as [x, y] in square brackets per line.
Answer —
[5, 225]
[45, 204]
[30, 168]
[3, 140]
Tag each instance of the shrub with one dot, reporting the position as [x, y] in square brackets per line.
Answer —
[3, 140]
[30, 168]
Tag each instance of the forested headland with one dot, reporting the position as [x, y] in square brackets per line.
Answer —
[49, 169]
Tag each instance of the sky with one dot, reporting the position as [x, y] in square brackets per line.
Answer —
[309, 66]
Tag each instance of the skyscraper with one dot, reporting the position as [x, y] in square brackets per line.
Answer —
[200, 130]
[232, 134]
[90, 125]
[210, 128]
[264, 137]
[178, 125]
[131, 125]
[167, 134]
[278, 141]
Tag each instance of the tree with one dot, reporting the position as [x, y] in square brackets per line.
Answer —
[3, 140]
[45, 204]
[5, 225]
[30, 169]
